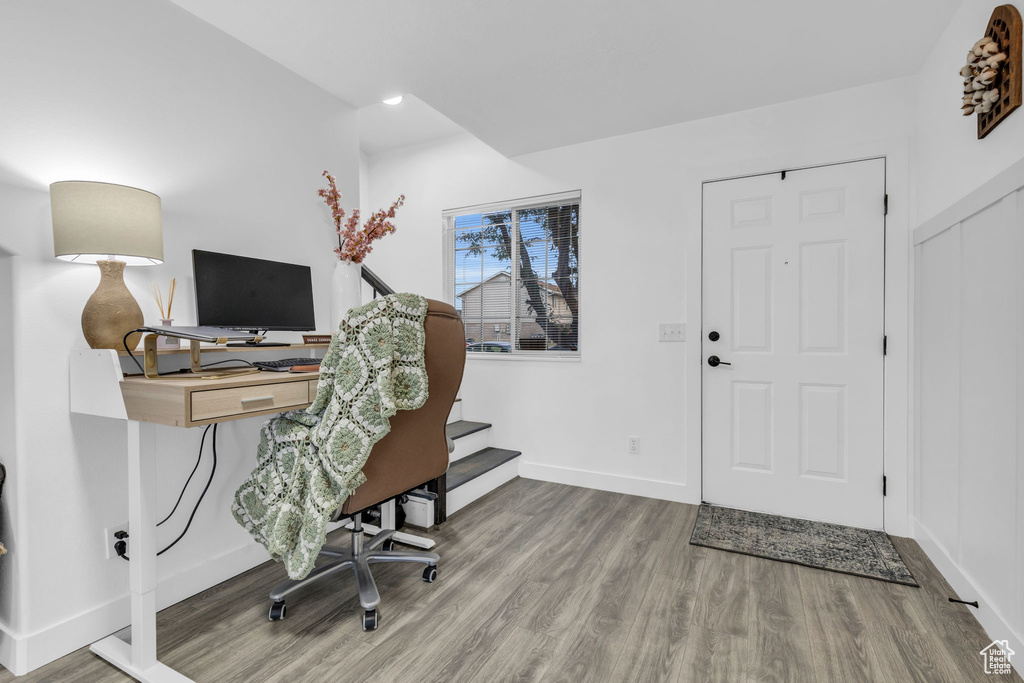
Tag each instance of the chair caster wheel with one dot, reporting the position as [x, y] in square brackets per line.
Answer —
[370, 620]
[430, 574]
[387, 545]
[277, 611]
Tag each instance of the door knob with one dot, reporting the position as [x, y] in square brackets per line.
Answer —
[714, 336]
[715, 361]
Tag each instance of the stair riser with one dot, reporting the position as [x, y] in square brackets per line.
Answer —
[456, 414]
[470, 444]
[482, 485]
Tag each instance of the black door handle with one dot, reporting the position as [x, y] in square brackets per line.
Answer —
[715, 361]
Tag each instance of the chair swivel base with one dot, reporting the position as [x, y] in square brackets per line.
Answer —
[358, 558]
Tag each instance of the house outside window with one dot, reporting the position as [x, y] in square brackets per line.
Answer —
[512, 271]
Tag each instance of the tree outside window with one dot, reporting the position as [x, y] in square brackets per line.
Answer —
[513, 273]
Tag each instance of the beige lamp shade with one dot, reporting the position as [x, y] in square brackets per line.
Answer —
[101, 221]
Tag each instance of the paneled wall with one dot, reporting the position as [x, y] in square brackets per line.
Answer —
[969, 306]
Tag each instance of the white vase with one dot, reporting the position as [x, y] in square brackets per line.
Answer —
[347, 290]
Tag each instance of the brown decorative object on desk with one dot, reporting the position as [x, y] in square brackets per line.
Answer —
[316, 339]
[111, 311]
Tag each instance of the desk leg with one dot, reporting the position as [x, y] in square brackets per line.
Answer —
[139, 659]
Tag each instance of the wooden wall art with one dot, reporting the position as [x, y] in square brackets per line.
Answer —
[992, 75]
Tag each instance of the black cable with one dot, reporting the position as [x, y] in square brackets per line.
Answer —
[122, 546]
[124, 343]
[209, 481]
[189, 480]
[230, 360]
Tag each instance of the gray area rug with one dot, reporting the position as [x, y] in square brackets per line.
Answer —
[837, 548]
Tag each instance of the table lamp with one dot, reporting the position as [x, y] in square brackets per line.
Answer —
[111, 226]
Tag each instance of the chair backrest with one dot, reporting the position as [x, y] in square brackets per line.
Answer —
[416, 449]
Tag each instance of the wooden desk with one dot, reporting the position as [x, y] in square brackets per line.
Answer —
[192, 402]
[99, 387]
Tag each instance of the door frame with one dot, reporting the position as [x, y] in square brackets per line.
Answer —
[897, 434]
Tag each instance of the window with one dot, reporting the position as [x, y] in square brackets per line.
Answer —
[512, 271]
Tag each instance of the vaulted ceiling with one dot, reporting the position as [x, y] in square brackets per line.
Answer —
[527, 75]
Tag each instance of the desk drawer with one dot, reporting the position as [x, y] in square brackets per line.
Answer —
[214, 403]
[312, 389]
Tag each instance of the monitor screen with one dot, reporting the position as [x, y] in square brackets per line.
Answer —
[251, 294]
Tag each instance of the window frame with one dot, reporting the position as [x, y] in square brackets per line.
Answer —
[514, 206]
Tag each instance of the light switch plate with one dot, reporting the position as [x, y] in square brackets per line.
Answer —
[672, 332]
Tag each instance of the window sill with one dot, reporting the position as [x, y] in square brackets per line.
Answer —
[520, 358]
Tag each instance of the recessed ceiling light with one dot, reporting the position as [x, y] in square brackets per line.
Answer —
[393, 101]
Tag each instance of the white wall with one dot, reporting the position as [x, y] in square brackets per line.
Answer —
[968, 301]
[951, 159]
[640, 211]
[970, 402]
[9, 569]
[147, 95]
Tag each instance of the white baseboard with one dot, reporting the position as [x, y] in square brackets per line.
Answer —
[616, 483]
[22, 654]
[12, 652]
[989, 618]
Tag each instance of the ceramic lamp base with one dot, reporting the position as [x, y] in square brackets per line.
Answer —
[111, 311]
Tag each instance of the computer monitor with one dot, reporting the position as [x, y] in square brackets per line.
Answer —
[252, 294]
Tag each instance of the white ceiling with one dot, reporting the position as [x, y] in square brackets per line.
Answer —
[383, 127]
[527, 75]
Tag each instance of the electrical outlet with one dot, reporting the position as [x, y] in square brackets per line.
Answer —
[634, 445]
[109, 539]
[672, 332]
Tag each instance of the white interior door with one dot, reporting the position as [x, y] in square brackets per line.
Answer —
[793, 295]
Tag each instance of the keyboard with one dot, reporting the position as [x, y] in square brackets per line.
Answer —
[285, 364]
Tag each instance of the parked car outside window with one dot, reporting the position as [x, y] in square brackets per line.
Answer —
[491, 347]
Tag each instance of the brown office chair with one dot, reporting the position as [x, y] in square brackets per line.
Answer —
[415, 451]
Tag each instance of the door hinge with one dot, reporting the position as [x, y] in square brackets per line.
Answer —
[883, 485]
[885, 344]
[885, 205]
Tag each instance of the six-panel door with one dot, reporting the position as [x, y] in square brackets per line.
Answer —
[793, 283]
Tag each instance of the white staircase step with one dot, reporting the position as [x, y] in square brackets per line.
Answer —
[469, 445]
[481, 485]
[469, 437]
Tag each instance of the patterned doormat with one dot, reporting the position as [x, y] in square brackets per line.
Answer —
[844, 549]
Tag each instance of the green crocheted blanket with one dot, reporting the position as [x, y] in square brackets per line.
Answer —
[310, 461]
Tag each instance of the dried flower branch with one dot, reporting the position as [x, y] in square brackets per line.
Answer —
[354, 243]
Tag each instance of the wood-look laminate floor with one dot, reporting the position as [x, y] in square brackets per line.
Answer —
[548, 582]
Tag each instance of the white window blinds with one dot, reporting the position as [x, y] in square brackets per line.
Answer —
[512, 271]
